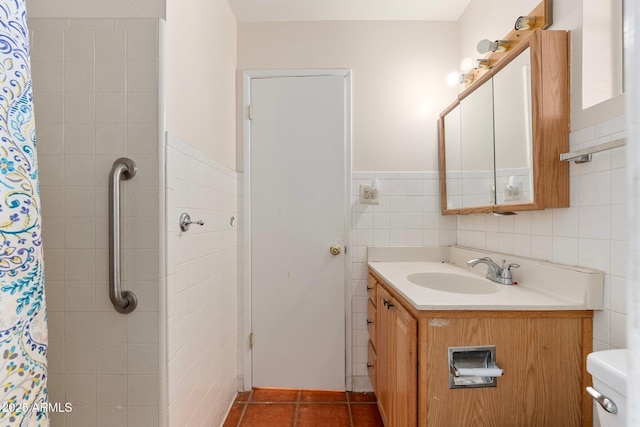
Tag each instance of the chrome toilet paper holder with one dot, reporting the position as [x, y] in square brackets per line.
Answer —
[473, 367]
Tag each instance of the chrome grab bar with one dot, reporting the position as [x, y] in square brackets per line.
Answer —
[123, 301]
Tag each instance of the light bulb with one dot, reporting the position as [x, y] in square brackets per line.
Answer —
[375, 184]
[486, 46]
[453, 79]
[466, 65]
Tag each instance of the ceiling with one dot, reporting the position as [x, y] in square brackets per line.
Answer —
[347, 10]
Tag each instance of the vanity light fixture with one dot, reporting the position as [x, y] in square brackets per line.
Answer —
[466, 65]
[525, 23]
[466, 78]
[486, 46]
[482, 64]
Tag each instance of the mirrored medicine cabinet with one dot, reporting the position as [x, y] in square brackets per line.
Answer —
[500, 140]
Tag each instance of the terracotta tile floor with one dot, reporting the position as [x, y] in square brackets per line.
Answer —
[265, 407]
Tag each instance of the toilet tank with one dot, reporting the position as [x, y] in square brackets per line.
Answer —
[610, 372]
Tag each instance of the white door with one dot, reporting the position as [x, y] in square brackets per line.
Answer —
[298, 211]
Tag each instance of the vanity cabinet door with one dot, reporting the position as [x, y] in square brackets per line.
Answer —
[372, 353]
[397, 362]
[371, 323]
[404, 373]
[372, 288]
[542, 358]
[372, 366]
[383, 351]
[500, 140]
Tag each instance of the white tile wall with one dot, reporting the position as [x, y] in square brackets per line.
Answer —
[104, 363]
[201, 288]
[408, 215]
[591, 233]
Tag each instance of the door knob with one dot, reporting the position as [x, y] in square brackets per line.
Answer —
[335, 250]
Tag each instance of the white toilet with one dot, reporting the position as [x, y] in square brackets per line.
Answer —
[610, 373]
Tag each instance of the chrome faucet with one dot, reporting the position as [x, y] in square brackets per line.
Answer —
[495, 272]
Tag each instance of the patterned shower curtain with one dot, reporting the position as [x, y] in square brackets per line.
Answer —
[23, 315]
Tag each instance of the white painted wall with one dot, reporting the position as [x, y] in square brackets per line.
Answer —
[494, 19]
[399, 72]
[488, 19]
[200, 77]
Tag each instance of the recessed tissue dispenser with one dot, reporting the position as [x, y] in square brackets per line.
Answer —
[473, 367]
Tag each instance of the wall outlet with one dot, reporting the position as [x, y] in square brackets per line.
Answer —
[369, 196]
[512, 195]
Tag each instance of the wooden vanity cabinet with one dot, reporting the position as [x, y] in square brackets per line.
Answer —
[372, 322]
[402, 362]
[543, 355]
[396, 359]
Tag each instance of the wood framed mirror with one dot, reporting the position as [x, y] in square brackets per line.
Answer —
[500, 140]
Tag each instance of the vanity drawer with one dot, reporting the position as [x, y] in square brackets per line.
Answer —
[372, 288]
[371, 323]
[372, 359]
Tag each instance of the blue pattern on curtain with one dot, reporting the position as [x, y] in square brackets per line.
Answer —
[23, 316]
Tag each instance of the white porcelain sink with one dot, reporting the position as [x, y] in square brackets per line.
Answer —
[454, 283]
[443, 285]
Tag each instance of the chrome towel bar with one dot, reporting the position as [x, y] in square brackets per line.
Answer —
[584, 155]
[124, 302]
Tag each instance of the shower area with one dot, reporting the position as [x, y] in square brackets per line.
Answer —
[100, 94]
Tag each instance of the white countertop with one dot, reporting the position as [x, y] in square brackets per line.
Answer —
[523, 296]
